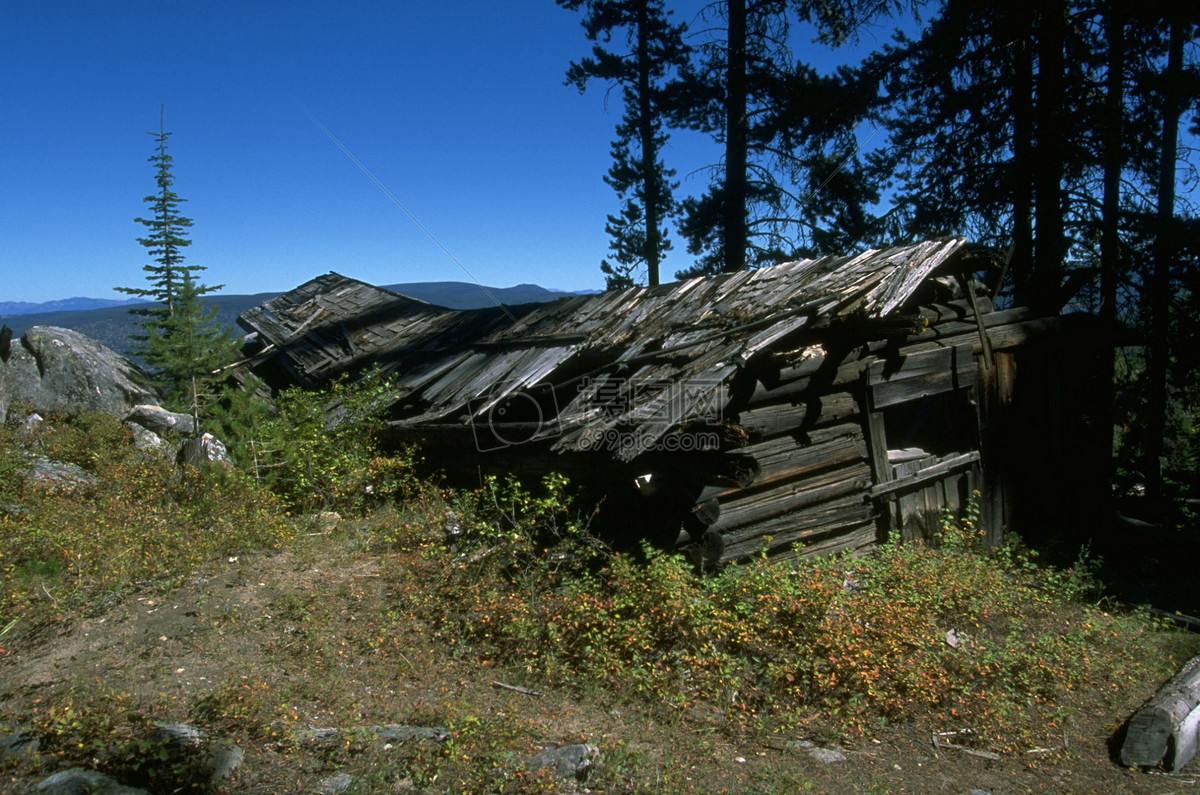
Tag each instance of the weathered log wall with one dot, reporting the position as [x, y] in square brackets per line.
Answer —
[828, 437]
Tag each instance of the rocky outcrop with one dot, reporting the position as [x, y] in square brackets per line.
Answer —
[53, 369]
[158, 420]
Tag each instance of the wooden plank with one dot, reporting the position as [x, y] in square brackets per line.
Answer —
[912, 365]
[877, 441]
[783, 530]
[921, 374]
[788, 458]
[852, 539]
[774, 419]
[910, 389]
[914, 474]
[751, 505]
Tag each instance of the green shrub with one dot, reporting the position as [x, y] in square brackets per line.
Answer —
[321, 450]
[143, 520]
[949, 636]
[14, 463]
[90, 439]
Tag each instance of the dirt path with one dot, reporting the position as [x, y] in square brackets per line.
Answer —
[261, 649]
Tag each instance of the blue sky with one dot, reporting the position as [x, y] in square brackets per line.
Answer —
[458, 107]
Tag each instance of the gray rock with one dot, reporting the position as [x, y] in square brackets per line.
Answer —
[392, 732]
[19, 744]
[223, 760]
[59, 475]
[326, 521]
[826, 756]
[207, 448]
[567, 761]
[146, 440]
[338, 782]
[216, 759]
[159, 420]
[56, 369]
[177, 735]
[81, 781]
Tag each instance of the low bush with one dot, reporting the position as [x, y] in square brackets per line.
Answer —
[141, 521]
[950, 636]
[321, 449]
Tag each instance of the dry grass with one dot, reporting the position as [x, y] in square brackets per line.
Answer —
[264, 627]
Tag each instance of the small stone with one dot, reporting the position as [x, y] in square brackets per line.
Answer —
[566, 762]
[338, 782]
[79, 780]
[19, 744]
[826, 756]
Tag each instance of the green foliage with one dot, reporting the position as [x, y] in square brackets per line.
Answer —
[181, 341]
[321, 450]
[142, 521]
[948, 635]
[88, 439]
[655, 51]
[185, 350]
[14, 462]
[237, 417]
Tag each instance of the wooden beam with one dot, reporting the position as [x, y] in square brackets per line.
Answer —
[1164, 731]
[942, 468]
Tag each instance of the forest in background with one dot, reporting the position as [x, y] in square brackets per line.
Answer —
[1057, 132]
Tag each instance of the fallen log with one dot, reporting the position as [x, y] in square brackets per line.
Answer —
[1164, 731]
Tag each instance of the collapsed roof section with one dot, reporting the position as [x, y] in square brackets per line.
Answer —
[640, 363]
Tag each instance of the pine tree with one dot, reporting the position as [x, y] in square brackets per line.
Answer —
[187, 349]
[790, 181]
[179, 341]
[654, 49]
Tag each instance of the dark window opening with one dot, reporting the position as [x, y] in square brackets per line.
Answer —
[938, 425]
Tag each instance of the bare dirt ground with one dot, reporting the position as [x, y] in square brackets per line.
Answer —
[262, 649]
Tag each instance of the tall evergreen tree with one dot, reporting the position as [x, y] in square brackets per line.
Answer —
[789, 181]
[166, 238]
[653, 49]
[187, 349]
[1051, 127]
[179, 341]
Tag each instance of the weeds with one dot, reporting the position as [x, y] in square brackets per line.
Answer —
[143, 521]
[950, 636]
[945, 637]
[321, 450]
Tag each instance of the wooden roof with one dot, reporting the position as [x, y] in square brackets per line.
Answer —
[645, 361]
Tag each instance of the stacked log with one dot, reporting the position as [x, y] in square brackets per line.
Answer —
[826, 480]
[1163, 733]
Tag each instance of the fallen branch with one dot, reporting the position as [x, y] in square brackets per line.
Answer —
[517, 689]
[939, 743]
[1166, 730]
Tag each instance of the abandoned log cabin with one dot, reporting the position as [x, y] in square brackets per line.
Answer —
[809, 407]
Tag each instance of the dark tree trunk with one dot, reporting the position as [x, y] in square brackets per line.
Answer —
[652, 199]
[736, 138]
[1021, 261]
[1159, 288]
[1110, 241]
[1048, 165]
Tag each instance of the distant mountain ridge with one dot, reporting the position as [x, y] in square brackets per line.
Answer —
[111, 324]
[77, 304]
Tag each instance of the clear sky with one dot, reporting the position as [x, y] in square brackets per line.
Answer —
[458, 107]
